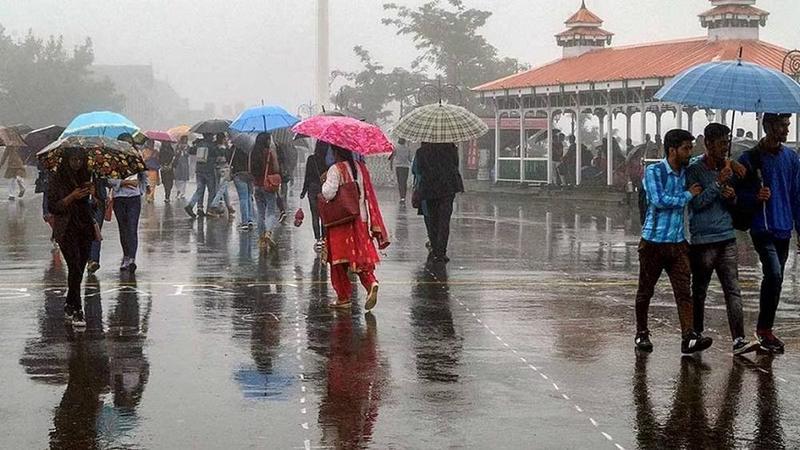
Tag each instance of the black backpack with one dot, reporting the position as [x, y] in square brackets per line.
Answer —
[743, 214]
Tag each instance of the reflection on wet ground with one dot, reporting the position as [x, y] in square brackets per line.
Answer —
[523, 341]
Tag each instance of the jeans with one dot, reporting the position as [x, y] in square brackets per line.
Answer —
[655, 258]
[180, 186]
[316, 220]
[402, 180]
[773, 254]
[127, 210]
[266, 209]
[221, 195]
[99, 217]
[204, 181]
[723, 258]
[439, 212]
[15, 186]
[244, 187]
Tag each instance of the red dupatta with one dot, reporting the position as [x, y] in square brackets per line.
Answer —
[377, 228]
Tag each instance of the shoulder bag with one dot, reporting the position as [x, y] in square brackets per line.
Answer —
[272, 182]
[343, 208]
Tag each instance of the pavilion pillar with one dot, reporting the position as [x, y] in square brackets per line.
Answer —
[601, 120]
[610, 143]
[643, 119]
[521, 142]
[759, 125]
[690, 120]
[549, 146]
[628, 127]
[658, 124]
[578, 143]
[679, 116]
[496, 143]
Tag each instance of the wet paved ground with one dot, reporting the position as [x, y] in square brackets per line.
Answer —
[524, 341]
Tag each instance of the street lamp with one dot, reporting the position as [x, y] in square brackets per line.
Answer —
[432, 93]
[309, 109]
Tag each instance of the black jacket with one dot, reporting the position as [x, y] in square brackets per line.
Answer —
[315, 168]
[439, 175]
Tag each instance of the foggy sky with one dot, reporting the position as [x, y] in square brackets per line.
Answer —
[247, 50]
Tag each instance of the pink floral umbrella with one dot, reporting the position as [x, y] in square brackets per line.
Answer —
[346, 132]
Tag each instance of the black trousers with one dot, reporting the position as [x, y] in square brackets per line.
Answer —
[439, 212]
[168, 180]
[76, 248]
[402, 180]
[316, 221]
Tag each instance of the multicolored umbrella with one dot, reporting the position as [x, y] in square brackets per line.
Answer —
[357, 136]
[263, 119]
[440, 123]
[161, 136]
[105, 157]
[100, 123]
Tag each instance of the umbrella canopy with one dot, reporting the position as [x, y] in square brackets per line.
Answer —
[39, 139]
[734, 85]
[9, 137]
[346, 132]
[211, 126]
[105, 157]
[440, 123]
[179, 131]
[162, 136]
[244, 141]
[263, 119]
[100, 123]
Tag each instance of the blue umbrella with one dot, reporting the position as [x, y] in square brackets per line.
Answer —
[263, 119]
[100, 123]
[734, 85]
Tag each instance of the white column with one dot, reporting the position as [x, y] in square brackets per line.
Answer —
[643, 118]
[601, 124]
[759, 124]
[679, 116]
[610, 146]
[578, 139]
[521, 142]
[658, 126]
[628, 126]
[549, 146]
[323, 64]
[496, 143]
[690, 120]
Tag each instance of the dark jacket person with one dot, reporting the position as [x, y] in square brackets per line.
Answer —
[73, 225]
[440, 181]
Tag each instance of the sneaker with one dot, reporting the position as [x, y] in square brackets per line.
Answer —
[93, 266]
[769, 342]
[741, 346]
[251, 225]
[11, 198]
[282, 218]
[188, 209]
[642, 341]
[69, 311]
[402, 201]
[695, 342]
[124, 264]
[78, 320]
[132, 267]
[340, 304]
[372, 298]
[200, 212]
[21, 192]
[244, 227]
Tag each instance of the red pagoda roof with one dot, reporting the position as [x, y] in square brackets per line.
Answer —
[739, 10]
[645, 61]
[584, 16]
[584, 31]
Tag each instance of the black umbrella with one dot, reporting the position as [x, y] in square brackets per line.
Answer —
[37, 140]
[244, 141]
[211, 126]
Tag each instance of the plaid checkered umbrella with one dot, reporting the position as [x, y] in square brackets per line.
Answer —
[735, 86]
[440, 123]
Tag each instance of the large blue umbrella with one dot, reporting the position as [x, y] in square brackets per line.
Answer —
[263, 119]
[735, 86]
[100, 123]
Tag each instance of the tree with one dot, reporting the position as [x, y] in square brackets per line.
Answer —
[450, 43]
[370, 90]
[42, 84]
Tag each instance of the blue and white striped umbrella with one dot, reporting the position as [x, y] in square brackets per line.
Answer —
[735, 86]
[100, 123]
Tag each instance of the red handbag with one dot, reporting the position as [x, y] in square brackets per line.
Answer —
[272, 182]
[344, 207]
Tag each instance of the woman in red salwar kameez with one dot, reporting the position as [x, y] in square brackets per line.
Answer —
[350, 246]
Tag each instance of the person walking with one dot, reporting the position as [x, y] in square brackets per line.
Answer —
[439, 183]
[206, 152]
[98, 203]
[166, 158]
[265, 170]
[400, 160]
[182, 167]
[350, 245]
[773, 191]
[127, 209]
[222, 170]
[153, 165]
[663, 246]
[15, 172]
[243, 182]
[74, 227]
[713, 239]
[316, 168]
